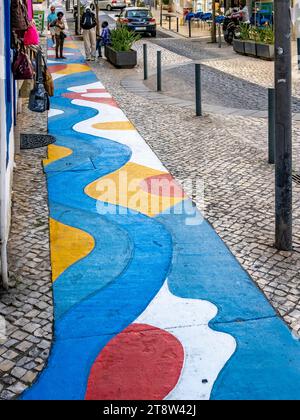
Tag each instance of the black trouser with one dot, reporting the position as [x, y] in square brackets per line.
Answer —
[59, 45]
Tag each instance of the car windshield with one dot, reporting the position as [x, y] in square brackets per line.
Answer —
[139, 14]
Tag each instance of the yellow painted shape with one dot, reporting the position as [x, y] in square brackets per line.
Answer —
[114, 125]
[68, 245]
[74, 68]
[70, 44]
[123, 187]
[56, 152]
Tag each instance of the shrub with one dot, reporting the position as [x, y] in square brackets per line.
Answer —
[122, 39]
[244, 31]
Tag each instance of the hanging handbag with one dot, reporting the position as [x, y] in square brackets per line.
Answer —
[31, 36]
[22, 67]
[48, 80]
[39, 98]
[19, 15]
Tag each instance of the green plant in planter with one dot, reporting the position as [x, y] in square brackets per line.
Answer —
[254, 33]
[122, 39]
[244, 31]
[267, 35]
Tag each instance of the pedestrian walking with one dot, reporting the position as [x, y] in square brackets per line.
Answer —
[51, 18]
[60, 35]
[88, 25]
[244, 11]
[104, 39]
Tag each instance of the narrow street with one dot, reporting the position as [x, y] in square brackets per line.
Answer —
[165, 280]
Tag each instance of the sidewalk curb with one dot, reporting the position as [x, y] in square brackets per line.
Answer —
[135, 84]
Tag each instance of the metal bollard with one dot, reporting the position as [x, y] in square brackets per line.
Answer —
[145, 57]
[190, 28]
[219, 35]
[271, 128]
[158, 71]
[298, 52]
[170, 23]
[198, 90]
[177, 24]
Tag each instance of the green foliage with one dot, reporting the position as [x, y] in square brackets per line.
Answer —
[122, 38]
[244, 31]
[263, 35]
[254, 33]
[268, 35]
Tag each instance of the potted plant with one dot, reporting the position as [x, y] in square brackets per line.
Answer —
[250, 44]
[265, 44]
[239, 43]
[120, 52]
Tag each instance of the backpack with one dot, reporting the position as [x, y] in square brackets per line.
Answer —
[88, 20]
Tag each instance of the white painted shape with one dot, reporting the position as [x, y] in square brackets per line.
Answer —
[52, 53]
[141, 152]
[96, 95]
[84, 88]
[56, 76]
[53, 111]
[205, 351]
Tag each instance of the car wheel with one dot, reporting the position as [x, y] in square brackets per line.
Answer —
[153, 34]
[108, 8]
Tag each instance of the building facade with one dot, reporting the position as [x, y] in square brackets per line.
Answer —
[7, 113]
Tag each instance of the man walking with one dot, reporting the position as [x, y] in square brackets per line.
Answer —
[51, 18]
[88, 24]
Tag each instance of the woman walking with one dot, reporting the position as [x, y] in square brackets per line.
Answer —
[60, 35]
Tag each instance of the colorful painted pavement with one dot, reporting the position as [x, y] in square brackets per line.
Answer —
[149, 302]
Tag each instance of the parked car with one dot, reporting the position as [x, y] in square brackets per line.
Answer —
[112, 4]
[138, 19]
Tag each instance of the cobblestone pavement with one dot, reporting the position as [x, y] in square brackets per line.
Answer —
[27, 306]
[229, 155]
[227, 81]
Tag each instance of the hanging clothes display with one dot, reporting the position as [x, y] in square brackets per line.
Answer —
[19, 15]
[31, 36]
[29, 10]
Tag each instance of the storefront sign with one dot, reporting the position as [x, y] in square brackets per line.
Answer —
[39, 18]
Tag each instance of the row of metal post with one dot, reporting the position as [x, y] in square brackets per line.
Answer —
[198, 99]
[283, 231]
[159, 78]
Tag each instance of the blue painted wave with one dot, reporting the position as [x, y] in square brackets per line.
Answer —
[103, 293]
[266, 364]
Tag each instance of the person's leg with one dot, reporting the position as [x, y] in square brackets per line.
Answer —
[93, 43]
[56, 46]
[86, 42]
[98, 47]
[61, 46]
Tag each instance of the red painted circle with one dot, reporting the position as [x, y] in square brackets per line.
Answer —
[53, 68]
[141, 363]
[163, 185]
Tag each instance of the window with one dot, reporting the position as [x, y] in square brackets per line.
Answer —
[140, 14]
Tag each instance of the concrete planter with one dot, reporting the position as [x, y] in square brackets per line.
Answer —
[250, 48]
[121, 59]
[265, 51]
[238, 46]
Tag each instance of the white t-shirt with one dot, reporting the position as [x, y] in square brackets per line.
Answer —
[245, 12]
